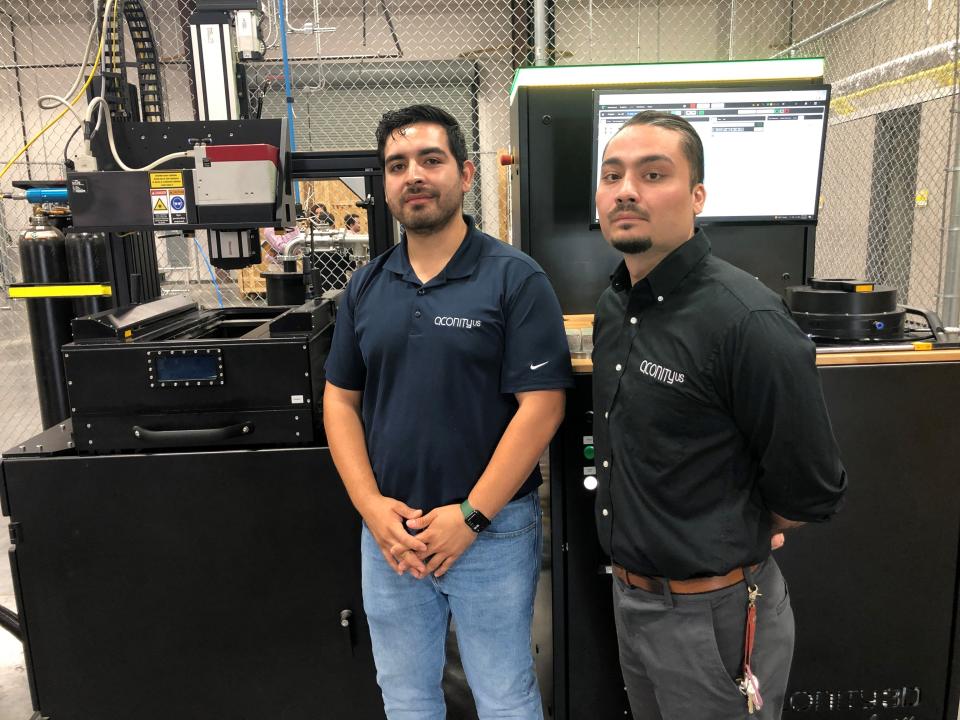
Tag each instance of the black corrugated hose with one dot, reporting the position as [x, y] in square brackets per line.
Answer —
[10, 622]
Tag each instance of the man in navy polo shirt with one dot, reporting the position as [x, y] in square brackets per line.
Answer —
[445, 383]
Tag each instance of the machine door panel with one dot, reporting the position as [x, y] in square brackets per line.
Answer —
[215, 585]
[873, 591]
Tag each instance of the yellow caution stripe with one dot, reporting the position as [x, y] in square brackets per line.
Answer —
[923, 346]
[59, 290]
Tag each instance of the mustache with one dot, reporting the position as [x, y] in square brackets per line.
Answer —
[419, 191]
[627, 209]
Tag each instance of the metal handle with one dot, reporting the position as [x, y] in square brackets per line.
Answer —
[199, 436]
[932, 319]
[345, 616]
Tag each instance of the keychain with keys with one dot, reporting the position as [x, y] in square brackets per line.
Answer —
[749, 683]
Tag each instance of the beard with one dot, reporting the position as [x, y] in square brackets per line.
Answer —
[629, 245]
[632, 246]
[431, 218]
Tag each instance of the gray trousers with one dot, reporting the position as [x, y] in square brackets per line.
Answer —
[680, 654]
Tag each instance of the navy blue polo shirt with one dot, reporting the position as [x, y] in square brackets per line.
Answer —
[439, 363]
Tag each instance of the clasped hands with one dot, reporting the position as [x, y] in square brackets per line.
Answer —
[441, 536]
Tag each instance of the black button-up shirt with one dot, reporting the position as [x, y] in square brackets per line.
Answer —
[708, 415]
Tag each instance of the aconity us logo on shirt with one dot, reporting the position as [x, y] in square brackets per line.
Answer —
[456, 322]
[661, 373]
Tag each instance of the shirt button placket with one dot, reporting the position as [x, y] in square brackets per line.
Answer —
[417, 313]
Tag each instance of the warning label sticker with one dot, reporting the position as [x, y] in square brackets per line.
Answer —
[178, 206]
[166, 180]
[160, 207]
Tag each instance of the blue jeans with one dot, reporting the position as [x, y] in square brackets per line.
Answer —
[489, 591]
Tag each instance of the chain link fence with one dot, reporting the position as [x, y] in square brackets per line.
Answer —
[885, 187]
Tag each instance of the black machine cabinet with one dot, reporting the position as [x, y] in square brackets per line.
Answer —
[222, 585]
[874, 590]
[168, 374]
[551, 133]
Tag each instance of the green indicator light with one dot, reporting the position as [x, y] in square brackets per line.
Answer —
[588, 452]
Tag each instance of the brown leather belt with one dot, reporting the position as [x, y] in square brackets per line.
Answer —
[682, 587]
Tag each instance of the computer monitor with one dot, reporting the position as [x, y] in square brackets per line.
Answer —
[763, 147]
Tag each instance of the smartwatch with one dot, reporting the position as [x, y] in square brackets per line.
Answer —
[475, 520]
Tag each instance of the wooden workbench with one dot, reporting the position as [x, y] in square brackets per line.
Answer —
[585, 365]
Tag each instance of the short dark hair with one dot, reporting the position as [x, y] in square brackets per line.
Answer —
[399, 119]
[351, 218]
[690, 141]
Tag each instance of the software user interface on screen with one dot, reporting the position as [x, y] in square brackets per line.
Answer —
[763, 149]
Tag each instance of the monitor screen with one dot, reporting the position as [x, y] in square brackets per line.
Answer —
[763, 148]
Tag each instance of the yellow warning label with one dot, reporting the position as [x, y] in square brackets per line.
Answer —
[863, 288]
[160, 206]
[166, 180]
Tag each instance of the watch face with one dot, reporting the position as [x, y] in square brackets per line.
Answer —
[478, 521]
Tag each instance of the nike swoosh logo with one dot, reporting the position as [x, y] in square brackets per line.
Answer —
[537, 367]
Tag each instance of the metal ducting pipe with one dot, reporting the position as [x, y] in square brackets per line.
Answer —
[404, 74]
[833, 28]
[540, 32]
[897, 69]
[950, 296]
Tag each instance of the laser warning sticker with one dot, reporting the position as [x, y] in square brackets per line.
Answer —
[166, 180]
[178, 206]
[160, 206]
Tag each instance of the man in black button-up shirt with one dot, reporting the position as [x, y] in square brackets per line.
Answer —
[712, 436]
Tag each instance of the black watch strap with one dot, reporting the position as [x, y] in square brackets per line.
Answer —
[475, 520]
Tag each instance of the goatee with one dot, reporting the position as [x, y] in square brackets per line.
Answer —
[634, 246]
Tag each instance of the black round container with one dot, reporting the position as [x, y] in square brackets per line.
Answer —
[847, 310]
[285, 288]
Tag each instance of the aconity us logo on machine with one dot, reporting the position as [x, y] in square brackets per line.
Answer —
[455, 322]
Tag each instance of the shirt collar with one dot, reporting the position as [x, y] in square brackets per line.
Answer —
[667, 275]
[461, 265]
